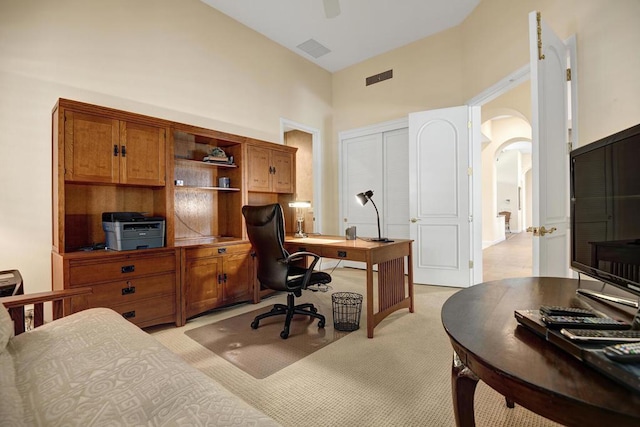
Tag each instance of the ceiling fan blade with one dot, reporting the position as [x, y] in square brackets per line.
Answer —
[331, 8]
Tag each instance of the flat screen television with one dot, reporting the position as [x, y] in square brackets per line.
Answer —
[605, 212]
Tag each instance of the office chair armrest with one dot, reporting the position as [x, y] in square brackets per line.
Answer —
[299, 255]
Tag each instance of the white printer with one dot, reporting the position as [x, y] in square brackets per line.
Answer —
[132, 230]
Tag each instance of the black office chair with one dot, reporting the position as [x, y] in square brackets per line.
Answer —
[279, 270]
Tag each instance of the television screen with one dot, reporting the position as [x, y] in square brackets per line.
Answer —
[605, 209]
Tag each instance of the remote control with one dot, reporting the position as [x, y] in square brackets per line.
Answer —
[599, 335]
[624, 353]
[554, 310]
[584, 322]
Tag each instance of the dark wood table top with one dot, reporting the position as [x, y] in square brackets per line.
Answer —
[525, 367]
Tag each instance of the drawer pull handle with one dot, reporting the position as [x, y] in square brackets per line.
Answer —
[342, 254]
[129, 314]
[128, 291]
[128, 268]
[222, 250]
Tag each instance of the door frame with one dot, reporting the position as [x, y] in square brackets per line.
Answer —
[316, 146]
[510, 81]
[521, 75]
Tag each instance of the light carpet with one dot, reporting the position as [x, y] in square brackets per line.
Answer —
[401, 377]
[261, 352]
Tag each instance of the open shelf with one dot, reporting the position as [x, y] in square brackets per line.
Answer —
[195, 187]
[191, 162]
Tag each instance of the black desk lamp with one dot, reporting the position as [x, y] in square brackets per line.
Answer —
[363, 198]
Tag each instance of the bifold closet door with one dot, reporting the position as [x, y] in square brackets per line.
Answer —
[362, 164]
[377, 162]
[396, 183]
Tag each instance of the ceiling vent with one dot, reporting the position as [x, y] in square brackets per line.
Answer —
[313, 48]
[379, 77]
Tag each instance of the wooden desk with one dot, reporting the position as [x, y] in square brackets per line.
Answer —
[392, 294]
[525, 368]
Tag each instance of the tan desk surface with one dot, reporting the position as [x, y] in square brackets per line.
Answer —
[392, 292]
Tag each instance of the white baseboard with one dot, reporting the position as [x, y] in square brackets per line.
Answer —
[486, 243]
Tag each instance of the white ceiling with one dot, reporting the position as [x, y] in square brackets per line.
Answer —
[363, 29]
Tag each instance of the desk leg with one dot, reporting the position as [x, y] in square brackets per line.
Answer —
[392, 295]
[410, 278]
[370, 317]
[463, 388]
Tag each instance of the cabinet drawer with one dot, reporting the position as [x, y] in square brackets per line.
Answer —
[341, 253]
[125, 291]
[149, 311]
[217, 251]
[351, 254]
[84, 272]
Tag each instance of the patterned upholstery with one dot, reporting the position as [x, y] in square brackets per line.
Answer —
[6, 327]
[95, 368]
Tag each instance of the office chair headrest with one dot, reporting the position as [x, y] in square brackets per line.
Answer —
[260, 215]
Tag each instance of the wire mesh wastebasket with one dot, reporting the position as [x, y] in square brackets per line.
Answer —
[347, 307]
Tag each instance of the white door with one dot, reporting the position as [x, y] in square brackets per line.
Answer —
[361, 171]
[440, 196]
[396, 200]
[550, 155]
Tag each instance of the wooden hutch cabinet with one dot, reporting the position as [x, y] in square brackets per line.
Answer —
[101, 149]
[107, 160]
[272, 169]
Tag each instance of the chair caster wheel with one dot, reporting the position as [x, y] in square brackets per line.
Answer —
[284, 335]
[314, 310]
[321, 324]
[254, 325]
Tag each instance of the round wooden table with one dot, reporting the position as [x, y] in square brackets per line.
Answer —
[490, 345]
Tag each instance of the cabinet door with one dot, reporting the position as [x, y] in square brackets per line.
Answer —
[282, 167]
[238, 270]
[91, 148]
[142, 154]
[203, 285]
[259, 169]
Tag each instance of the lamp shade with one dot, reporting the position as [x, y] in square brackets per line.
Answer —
[300, 204]
[363, 198]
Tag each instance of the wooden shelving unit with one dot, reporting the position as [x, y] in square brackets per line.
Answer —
[107, 160]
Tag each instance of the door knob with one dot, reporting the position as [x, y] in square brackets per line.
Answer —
[414, 219]
[544, 231]
[540, 231]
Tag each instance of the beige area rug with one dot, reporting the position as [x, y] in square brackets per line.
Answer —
[401, 377]
[261, 352]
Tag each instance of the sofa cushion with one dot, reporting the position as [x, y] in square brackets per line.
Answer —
[96, 368]
[11, 410]
[6, 327]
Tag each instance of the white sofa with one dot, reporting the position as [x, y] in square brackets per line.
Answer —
[95, 368]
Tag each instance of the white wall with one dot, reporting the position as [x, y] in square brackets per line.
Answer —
[503, 127]
[507, 173]
[181, 60]
[175, 59]
[451, 67]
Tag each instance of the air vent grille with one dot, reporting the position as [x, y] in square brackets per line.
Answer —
[313, 48]
[379, 77]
